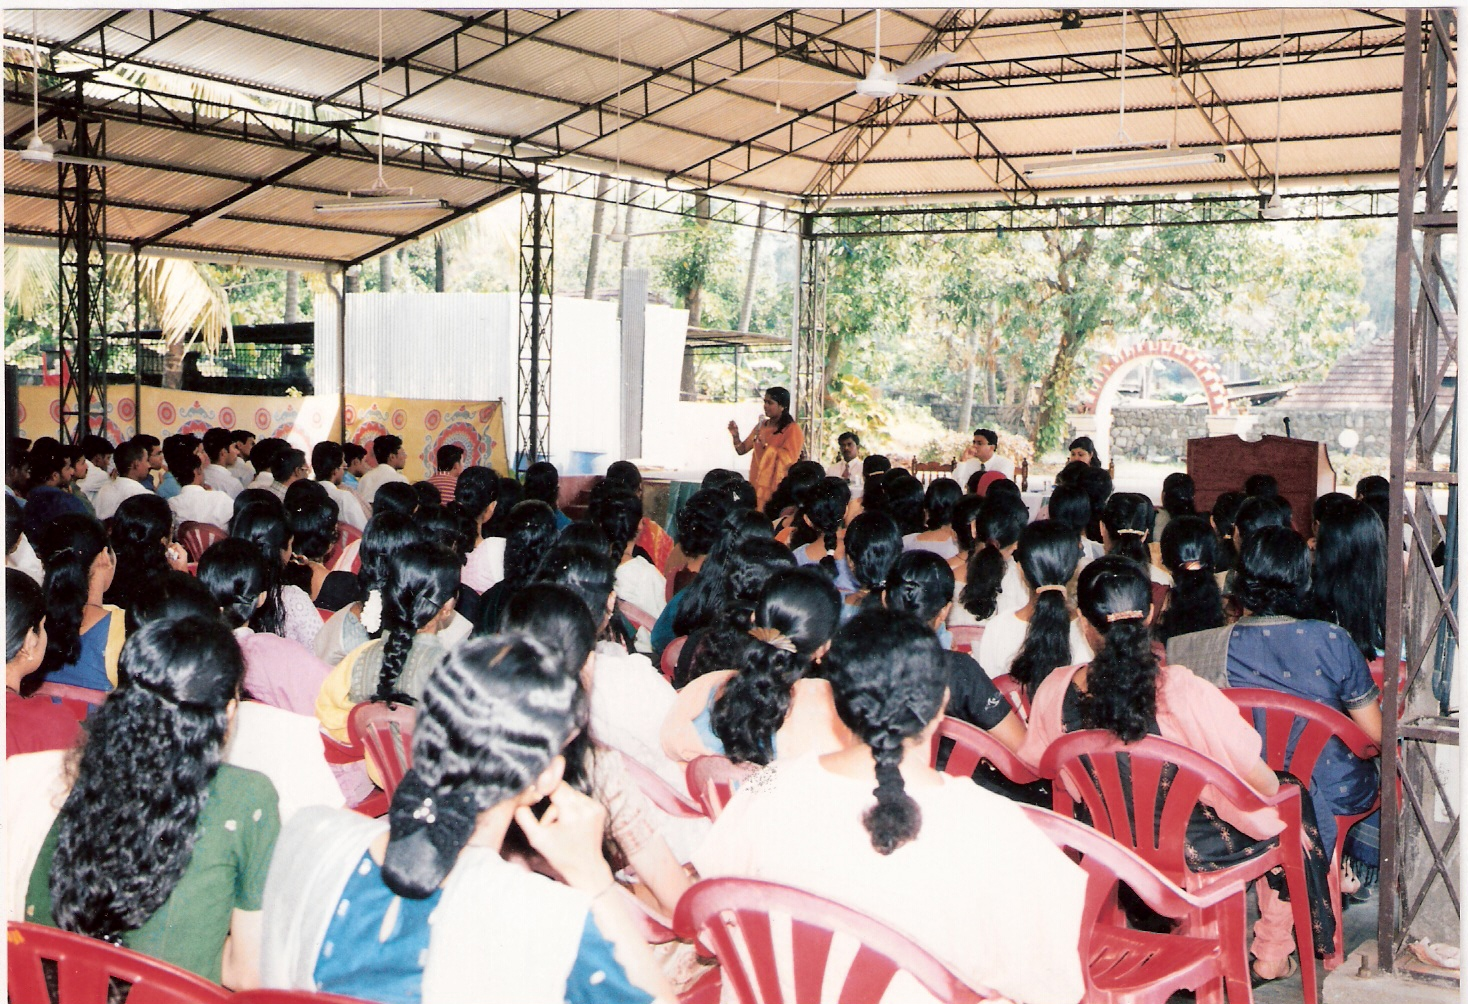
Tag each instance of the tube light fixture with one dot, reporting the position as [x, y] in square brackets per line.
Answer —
[1130, 160]
[380, 204]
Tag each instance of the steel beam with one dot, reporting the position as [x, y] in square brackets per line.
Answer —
[808, 360]
[537, 286]
[81, 335]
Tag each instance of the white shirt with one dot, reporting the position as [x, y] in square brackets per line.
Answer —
[629, 700]
[348, 507]
[222, 479]
[1004, 635]
[374, 479]
[24, 558]
[966, 470]
[850, 472]
[95, 481]
[244, 470]
[262, 480]
[114, 493]
[485, 565]
[194, 503]
[643, 586]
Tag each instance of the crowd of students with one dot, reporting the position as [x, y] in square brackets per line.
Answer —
[168, 788]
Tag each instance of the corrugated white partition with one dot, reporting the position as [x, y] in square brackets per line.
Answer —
[586, 347]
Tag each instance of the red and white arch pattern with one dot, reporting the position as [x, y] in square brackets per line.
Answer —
[1190, 359]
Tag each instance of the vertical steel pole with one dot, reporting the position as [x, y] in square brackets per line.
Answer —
[137, 341]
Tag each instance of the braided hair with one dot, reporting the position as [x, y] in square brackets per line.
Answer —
[873, 546]
[1115, 595]
[139, 537]
[886, 670]
[1128, 517]
[1194, 602]
[921, 583]
[1001, 521]
[268, 532]
[820, 517]
[235, 575]
[1048, 553]
[617, 512]
[1274, 573]
[748, 567]
[803, 607]
[421, 579]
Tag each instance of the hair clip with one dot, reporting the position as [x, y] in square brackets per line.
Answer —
[1129, 532]
[1049, 589]
[1192, 566]
[773, 638]
[1125, 615]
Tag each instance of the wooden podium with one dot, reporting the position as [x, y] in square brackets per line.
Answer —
[1221, 464]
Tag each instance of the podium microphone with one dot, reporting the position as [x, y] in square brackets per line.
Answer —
[1288, 434]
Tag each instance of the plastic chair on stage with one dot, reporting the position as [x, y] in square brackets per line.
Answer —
[1156, 771]
[732, 919]
[85, 967]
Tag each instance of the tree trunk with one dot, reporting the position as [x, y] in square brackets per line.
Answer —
[598, 218]
[970, 377]
[633, 191]
[747, 308]
[991, 381]
[173, 365]
[384, 273]
[292, 297]
[440, 265]
[833, 360]
[1058, 385]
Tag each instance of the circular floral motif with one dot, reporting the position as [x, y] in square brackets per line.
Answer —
[166, 412]
[226, 417]
[462, 434]
[125, 409]
[55, 410]
[262, 418]
[368, 431]
[431, 420]
[399, 419]
[486, 413]
[351, 415]
[196, 427]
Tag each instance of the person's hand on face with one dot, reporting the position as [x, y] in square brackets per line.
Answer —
[569, 835]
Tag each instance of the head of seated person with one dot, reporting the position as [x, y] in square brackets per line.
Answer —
[139, 538]
[543, 483]
[396, 496]
[801, 475]
[79, 566]
[745, 570]
[700, 521]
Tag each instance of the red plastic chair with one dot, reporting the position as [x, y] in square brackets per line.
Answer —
[1014, 693]
[972, 746]
[661, 793]
[1123, 965]
[712, 781]
[199, 537]
[966, 637]
[1276, 716]
[669, 661]
[345, 534]
[731, 917]
[1377, 668]
[1090, 762]
[385, 731]
[291, 997]
[639, 617]
[66, 692]
[375, 804]
[85, 967]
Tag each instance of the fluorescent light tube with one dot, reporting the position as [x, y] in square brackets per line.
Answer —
[379, 204]
[1136, 160]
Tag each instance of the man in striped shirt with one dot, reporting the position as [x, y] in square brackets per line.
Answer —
[450, 463]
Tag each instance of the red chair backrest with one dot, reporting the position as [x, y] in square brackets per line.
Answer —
[199, 537]
[972, 746]
[290, 997]
[1014, 693]
[966, 637]
[639, 617]
[1278, 717]
[1159, 596]
[85, 967]
[712, 780]
[660, 793]
[345, 534]
[1101, 768]
[67, 692]
[731, 918]
[669, 661]
[385, 731]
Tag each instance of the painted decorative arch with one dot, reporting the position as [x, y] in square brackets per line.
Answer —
[1109, 379]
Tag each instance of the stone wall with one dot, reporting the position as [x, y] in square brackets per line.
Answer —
[1008, 417]
[1162, 433]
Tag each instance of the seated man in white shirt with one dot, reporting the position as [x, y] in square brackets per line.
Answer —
[328, 463]
[219, 447]
[391, 459]
[131, 461]
[194, 502]
[98, 453]
[244, 442]
[980, 458]
[264, 458]
[849, 469]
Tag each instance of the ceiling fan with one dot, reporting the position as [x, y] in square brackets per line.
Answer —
[38, 151]
[879, 82]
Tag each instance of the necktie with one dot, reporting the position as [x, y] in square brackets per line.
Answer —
[982, 467]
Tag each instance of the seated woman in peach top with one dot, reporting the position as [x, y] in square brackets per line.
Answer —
[767, 708]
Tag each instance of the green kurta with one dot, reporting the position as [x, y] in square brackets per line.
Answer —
[237, 831]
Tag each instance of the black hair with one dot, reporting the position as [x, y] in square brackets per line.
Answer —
[618, 514]
[804, 608]
[395, 496]
[920, 583]
[127, 454]
[185, 468]
[1373, 484]
[383, 448]
[717, 477]
[990, 436]
[495, 712]
[700, 520]
[1096, 483]
[259, 498]
[25, 609]
[939, 500]
[235, 575]
[1048, 553]
[586, 571]
[873, 546]
[1001, 521]
[270, 534]
[781, 396]
[67, 546]
[1225, 511]
[746, 570]
[171, 596]
[542, 483]
[476, 490]
[311, 516]
[14, 523]
[531, 532]
[903, 501]
[848, 434]
[326, 458]
[741, 493]
[1274, 573]
[1328, 504]
[1189, 550]
[875, 464]
[1071, 506]
[447, 456]
[217, 441]
[887, 673]
[1085, 443]
[1114, 595]
[263, 454]
[624, 473]
[801, 475]
[1128, 518]
[421, 578]
[821, 515]
[1256, 513]
[46, 462]
[1381, 505]
[1002, 487]
[430, 499]
[93, 445]
[510, 494]
[1261, 486]
[449, 526]
[386, 533]
[174, 685]
[241, 435]
[139, 537]
[706, 595]
[1348, 580]
[1177, 494]
[353, 452]
[967, 527]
